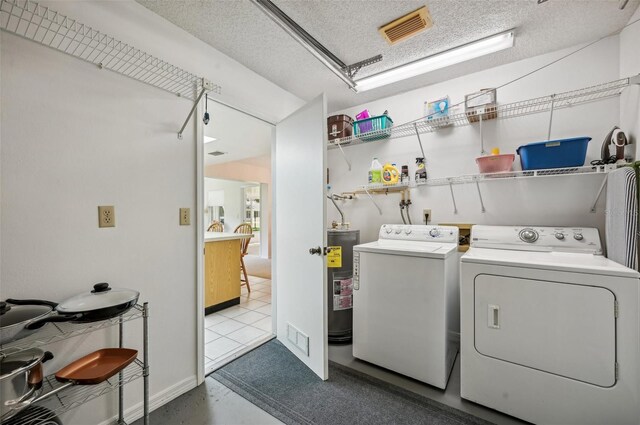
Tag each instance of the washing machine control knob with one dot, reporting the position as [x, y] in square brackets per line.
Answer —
[388, 229]
[578, 236]
[434, 233]
[559, 235]
[398, 230]
[407, 230]
[528, 235]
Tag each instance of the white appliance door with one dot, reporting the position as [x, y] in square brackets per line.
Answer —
[300, 217]
[399, 310]
[563, 329]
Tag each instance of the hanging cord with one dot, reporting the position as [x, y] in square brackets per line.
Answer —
[532, 72]
[206, 118]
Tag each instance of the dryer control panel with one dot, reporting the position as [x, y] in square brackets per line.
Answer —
[535, 238]
[419, 232]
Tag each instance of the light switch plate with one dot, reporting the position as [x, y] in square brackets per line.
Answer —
[185, 216]
[106, 216]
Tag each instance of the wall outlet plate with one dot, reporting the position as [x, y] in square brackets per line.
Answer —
[185, 216]
[106, 216]
[426, 216]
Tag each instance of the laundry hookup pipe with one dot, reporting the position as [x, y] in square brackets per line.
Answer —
[332, 197]
[408, 204]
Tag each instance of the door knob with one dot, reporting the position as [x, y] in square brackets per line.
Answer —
[316, 251]
[319, 251]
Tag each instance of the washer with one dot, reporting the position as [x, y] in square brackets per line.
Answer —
[549, 327]
[406, 301]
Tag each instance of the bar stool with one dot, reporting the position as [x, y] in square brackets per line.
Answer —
[216, 226]
[246, 229]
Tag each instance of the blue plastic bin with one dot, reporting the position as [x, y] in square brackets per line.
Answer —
[561, 153]
[362, 127]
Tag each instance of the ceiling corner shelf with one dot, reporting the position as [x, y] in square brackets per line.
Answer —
[45, 26]
[40, 24]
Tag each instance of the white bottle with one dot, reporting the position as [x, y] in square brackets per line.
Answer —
[375, 172]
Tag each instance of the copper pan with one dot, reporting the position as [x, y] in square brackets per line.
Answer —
[97, 367]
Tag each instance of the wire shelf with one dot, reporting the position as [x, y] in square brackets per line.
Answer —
[49, 28]
[54, 332]
[472, 178]
[509, 110]
[377, 187]
[74, 396]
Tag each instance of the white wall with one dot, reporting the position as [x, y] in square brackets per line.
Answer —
[629, 66]
[233, 211]
[254, 170]
[561, 201]
[75, 137]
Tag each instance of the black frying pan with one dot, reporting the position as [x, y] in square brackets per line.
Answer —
[102, 303]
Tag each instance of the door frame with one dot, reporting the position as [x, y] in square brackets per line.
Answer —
[199, 244]
[200, 205]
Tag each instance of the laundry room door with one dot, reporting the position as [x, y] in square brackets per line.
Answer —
[300, 238]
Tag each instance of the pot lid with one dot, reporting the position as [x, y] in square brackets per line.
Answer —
[14, 363]
[20, 314]
[102, 296]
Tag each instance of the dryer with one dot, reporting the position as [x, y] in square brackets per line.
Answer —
[549, 327]
[406, 301]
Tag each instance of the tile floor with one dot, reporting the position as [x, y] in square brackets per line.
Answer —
[231, 332]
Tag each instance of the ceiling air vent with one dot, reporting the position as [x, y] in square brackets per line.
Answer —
[407, 26]
[216, 153]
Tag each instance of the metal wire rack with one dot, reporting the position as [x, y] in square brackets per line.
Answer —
[54, 332]
[377, 187]
[476, 179]
[509, 110]
[61, 401]
[472, 178]
[49, 28]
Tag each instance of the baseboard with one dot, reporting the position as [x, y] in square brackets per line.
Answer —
[134, 413]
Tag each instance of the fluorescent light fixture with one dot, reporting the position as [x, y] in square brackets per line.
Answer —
[463, 53]
[208, 139]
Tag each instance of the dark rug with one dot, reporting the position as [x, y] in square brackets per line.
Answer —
[273, 379]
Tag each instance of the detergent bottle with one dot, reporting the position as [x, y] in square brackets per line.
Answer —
[390, 174]
[375, 172]
[421, 172]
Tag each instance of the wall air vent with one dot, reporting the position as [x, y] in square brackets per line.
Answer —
[407, 26]
[216, 153]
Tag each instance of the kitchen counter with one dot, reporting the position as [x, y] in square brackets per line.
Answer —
[223, 236]
[222, 270]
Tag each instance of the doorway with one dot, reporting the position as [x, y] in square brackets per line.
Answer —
[299, 240]
[237, 199]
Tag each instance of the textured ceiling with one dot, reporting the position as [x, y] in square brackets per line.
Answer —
[349, 30]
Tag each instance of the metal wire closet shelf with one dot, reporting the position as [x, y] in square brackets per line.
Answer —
[509, 110]
[49, 28]
[55, 332]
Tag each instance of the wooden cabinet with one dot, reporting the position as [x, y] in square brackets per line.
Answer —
[221, 274]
